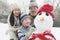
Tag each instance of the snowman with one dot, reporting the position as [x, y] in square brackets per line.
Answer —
[44, 24]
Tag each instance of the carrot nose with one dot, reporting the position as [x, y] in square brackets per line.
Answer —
[42, 19]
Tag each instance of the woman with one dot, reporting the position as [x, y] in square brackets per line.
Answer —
[14, 22]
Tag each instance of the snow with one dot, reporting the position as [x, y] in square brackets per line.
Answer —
[5, 27]
[56, 32]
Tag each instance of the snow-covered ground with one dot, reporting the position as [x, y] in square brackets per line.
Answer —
[5, 27]
[56, 32]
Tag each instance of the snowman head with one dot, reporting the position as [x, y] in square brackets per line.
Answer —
[44, 18]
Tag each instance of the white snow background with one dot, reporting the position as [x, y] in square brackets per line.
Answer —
[24, 7]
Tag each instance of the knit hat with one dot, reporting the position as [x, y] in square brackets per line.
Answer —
[33, 3]
[23, 17]
[46, 8]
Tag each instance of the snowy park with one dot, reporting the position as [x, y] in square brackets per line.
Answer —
[5, 10]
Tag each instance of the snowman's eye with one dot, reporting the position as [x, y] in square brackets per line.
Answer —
[47, 14]
[40, 13]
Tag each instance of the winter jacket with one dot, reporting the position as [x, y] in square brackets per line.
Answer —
[25, 32]
[13, 22]
[12, 26]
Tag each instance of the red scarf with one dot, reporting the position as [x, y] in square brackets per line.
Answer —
[42, 36]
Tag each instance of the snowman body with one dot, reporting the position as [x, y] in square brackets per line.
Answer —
[44, 24]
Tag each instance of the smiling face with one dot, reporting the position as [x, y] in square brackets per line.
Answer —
[43, 21]
[33, 10]
[26, 22]
[16, 12]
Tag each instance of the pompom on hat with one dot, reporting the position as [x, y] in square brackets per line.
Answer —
[46, 8]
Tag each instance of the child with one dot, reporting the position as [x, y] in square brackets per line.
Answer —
[26, 30]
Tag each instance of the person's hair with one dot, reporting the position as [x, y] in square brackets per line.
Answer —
[12, 18]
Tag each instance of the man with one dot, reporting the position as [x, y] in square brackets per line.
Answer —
[32, 10]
